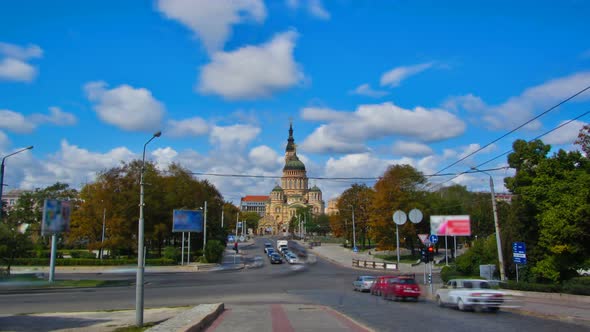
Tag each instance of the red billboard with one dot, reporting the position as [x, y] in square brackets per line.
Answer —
[450, 225]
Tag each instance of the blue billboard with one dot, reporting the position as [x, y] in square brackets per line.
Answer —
[187, 221]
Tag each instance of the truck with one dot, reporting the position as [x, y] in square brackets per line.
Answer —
[281, 243]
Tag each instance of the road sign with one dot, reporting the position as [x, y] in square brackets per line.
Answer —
[242, 238]
[433, 238]
[519, 252]
[231, 238]
[399, 217]
[415, 216]
[355, 249]
[423, 238]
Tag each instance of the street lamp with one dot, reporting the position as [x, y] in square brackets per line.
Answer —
[353, 230]
[140, 256]
[496, 224]
[2, 175]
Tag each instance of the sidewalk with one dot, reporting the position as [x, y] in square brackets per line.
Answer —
[571, 308]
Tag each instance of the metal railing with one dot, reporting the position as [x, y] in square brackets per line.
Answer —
[374, 264]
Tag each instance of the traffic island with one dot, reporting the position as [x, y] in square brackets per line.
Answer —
[191, 320]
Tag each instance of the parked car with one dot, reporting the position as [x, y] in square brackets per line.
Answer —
[468, 294]
[363, 283]
[401, 288]
[379, 285]
[275, 258]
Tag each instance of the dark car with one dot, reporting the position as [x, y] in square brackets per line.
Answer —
[267, 246]
[401, 288]
[275, 258]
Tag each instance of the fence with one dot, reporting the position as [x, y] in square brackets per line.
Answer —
[374, 265]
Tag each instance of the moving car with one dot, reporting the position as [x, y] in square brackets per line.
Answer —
[267, 246]
[291, 258]
[275, 258]
[363, 283]
[401, 288]
[379, 285]
[468, 294]
[270, 251]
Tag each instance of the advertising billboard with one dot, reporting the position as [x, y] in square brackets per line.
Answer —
[56, 216]
[450, 225]
[187, 221]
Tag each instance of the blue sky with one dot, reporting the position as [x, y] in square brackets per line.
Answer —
[367, 84]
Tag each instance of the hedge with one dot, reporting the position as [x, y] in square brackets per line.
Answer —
[576, 286]
[89, 262]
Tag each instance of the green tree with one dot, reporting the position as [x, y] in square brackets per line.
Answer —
[584, 140]
[356, 199]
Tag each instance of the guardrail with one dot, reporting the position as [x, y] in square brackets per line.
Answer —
[374, 265]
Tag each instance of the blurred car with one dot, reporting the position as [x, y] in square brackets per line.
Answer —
[401, 288]
[363, 283]
[270, 251]
[379, 285]
[275, 258]
[584, 273]
[284, 250]
[470, 294]
[291, 258]
[267, 245]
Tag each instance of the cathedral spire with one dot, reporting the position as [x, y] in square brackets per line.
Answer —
[291, 140]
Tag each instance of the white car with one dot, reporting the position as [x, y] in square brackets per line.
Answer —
[584, 273]
[363, 283]
[467, 294]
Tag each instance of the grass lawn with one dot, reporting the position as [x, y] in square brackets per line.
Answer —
[402, 258]
[35, 281]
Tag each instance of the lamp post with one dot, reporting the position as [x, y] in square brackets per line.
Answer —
[496, 224]
[353, 230]
[140, 249]
[205, 230]
[2, 175]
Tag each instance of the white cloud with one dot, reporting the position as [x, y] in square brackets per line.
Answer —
[265, 158]
[210, 20]
[519, 109]
[383, 120]
[233, 137]
[4, 141]
[188, 127]
[366, 90]
[16, 70]
[356, 165]
[164, 156]
[56, 117]
[126, 107]
[252, 71]
[395, 76]
[15, 122]
[323, 114]
[316, 9]
[567, 134]
[13, 67]
[411, 149]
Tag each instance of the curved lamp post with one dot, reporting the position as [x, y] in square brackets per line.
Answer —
[2, 174]
[496, 224]
[140, 249]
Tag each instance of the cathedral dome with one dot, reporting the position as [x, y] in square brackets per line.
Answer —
[315, 188]
[294, 165]
[277, 188]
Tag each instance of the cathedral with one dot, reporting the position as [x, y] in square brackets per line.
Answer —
[293, 193]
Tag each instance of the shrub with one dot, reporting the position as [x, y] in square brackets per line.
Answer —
[214, 251]
[82, 254]
[172, 253]
[449, 272]
[89, 262]
[579, 286]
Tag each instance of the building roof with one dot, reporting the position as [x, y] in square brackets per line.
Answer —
[254, 198]
[277, 188]
[315, 188]
[294, 164]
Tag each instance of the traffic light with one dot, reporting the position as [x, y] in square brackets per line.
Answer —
[430, 253]
[423, 255]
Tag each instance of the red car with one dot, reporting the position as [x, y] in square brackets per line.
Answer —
[379, 285]
[401, 288]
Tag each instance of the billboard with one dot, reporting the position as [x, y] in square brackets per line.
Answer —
[187, 221]
[450, 225]
[56, 216]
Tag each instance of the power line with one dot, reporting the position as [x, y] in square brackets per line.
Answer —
[517, 128]
[507, 152]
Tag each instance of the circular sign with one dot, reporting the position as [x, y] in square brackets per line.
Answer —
[399, 217]
[355, 249]
[415, 216]
[433, 238]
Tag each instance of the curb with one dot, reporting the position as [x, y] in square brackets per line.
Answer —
[192, 320]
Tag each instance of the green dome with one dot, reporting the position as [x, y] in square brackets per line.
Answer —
[294, 165]
[277, 188]
[315, 188]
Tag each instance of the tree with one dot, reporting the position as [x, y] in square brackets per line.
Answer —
[400, 188]
[584, 140]
[357, 198]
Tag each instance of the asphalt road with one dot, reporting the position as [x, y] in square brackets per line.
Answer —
[322, 283]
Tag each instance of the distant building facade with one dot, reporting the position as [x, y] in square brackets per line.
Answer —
[253, 203]
[10, 198]
[291, 194]
[332, 207]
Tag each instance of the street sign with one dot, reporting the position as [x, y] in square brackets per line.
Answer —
[423, 237]
[355, 249]
[433, 238]
[519, 252]
[399, 217]
[231, 238]
[242, 238]
[415, 216]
